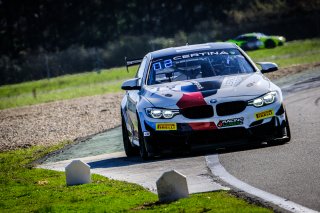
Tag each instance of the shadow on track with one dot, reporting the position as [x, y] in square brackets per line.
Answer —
[129, 161]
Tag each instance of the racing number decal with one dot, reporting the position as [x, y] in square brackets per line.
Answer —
[166, 126]
[265, 114]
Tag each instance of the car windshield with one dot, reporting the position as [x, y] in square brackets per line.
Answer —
[200, 64]
[240, 37]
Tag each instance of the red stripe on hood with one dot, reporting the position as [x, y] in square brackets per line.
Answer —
[190, 100]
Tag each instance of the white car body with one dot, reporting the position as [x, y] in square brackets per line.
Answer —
[200, 95]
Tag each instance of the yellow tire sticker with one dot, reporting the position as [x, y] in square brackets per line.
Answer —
[265, 114]
[166, 126]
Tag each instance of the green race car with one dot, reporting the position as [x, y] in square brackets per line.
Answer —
[253, 41]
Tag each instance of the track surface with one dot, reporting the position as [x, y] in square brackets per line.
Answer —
[291, 171]
[146, 173]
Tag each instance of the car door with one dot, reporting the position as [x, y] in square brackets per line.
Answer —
[133, 98]
[253, 43]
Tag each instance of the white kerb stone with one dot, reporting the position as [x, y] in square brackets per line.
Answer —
[172, 186]
[77, 172]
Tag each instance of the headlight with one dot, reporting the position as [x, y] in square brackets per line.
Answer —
[156, 113]
[161, 113]
[269, 98]
[266, 99]
[257, 102]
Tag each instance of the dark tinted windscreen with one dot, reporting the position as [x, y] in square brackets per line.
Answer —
[198, 65]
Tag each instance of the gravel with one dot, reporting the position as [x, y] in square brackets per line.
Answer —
[50, 123]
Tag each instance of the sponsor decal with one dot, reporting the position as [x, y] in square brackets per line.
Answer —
[200, 54]
[146, 134]
[166, 126]
[197, 84]
[265, 114]
[251, 84]
[230, 122]
[231, 81]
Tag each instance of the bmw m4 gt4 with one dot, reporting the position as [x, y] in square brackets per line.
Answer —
[200, 95]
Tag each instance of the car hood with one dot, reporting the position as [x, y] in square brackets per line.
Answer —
[219, 87]
[281, 38]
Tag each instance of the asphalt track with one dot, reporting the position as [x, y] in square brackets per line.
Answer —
[291, 171]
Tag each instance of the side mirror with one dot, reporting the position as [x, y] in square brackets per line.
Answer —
[131, 84]
[268, 67]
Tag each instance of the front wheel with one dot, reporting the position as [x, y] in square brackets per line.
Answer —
[270, 44]
[142, 144]
[128, 148]
[285, 133]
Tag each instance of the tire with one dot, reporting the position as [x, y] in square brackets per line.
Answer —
[142, 145]
[128, 148]
[285, 134]
[287, 129]
[270, 44]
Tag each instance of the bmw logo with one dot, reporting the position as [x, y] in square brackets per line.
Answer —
[213, 101]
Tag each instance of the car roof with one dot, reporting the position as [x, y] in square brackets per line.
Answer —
[253, 34]
[191, 48]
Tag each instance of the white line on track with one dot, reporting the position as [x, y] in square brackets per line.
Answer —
[218, 170]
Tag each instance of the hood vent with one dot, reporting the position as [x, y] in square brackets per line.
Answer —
[205, 111]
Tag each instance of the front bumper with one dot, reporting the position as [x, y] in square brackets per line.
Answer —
[237, 128]
[178, 141]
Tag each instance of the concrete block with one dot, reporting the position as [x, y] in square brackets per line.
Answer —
[77, 172]
[172, 186]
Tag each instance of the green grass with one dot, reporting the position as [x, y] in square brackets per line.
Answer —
[26, 189]
[292, 53]
[109, 81]
[63, 87]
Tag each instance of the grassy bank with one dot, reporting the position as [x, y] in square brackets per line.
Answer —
[26, 189]
[292, 53]
[63, 87]
[107, 81]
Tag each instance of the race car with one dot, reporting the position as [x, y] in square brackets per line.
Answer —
[203, 95]
[253, 41]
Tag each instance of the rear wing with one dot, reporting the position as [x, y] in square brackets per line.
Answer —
[132, 62]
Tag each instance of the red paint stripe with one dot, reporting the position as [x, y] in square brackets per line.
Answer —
[203, 126]
[190, 100]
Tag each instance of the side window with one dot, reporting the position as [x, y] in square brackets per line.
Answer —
[141, 68]
[245, 38]
[252, 39]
